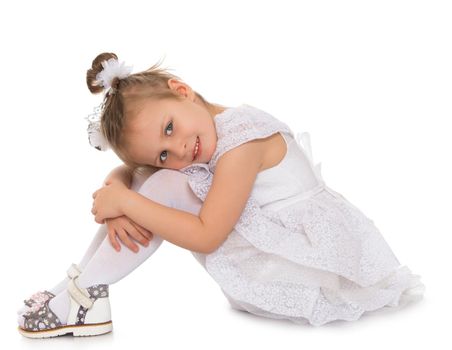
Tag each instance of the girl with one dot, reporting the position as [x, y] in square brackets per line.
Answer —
[233, 186]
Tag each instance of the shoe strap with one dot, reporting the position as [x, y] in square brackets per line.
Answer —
[80, 295]
[73, 271]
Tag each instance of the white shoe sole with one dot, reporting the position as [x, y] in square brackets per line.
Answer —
[77, 331]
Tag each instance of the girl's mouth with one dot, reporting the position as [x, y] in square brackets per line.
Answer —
[197, 149]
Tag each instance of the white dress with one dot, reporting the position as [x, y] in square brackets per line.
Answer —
[300, 251]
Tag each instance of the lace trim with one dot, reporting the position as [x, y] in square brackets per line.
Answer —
[241, 125]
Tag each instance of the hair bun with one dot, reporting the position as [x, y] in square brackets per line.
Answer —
[94, 85]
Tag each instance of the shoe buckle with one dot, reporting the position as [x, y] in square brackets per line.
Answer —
[81, 295]
[73, 271]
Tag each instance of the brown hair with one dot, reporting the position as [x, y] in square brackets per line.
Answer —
[130, 93]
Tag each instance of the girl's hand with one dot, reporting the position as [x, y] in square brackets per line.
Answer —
[107, 201]
[123, 227]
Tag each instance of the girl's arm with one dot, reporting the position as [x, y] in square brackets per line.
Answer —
[232, 184]
[122, 173]
[125, 174]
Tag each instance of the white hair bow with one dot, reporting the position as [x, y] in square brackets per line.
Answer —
[112, 69]
[95, 136]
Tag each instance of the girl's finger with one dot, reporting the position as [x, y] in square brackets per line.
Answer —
[147, 233]
[124, 237]
[139, 234]
[112, 237]
[142, 230]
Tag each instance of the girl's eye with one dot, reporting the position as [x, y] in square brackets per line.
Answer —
[170, 123]
[164, 152]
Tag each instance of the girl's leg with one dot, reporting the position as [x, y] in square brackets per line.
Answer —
[137, 182]
[107, 266]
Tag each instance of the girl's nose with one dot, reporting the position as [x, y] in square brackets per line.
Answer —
[183, 151]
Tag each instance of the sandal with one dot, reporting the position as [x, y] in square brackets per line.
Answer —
[89, 313]
[41, 296]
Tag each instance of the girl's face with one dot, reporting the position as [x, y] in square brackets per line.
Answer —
[164, 133]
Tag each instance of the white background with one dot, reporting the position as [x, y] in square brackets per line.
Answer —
[369, 80]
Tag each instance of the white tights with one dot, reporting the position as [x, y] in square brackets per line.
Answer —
[102, 264]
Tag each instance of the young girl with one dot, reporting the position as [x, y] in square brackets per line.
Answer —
[236, 188]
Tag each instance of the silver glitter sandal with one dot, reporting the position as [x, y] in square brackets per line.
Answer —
[89, 313]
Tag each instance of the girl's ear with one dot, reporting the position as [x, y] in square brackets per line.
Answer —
[180, 87]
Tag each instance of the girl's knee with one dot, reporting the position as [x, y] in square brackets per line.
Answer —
[164, 177]
[163, 186]
[138, 180]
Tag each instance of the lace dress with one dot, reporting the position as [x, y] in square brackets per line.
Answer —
[300, 250]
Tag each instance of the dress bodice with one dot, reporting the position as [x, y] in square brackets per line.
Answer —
[294, 168]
